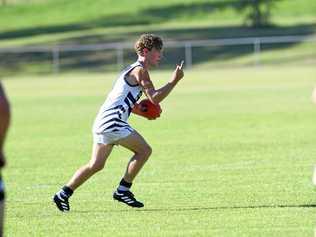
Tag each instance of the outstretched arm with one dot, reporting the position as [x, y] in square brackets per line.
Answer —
[156, 96]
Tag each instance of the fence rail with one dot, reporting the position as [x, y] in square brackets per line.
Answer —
[188, 46]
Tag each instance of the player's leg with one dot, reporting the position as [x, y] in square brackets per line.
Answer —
[100, 153]
[137, 144]
[2, 206]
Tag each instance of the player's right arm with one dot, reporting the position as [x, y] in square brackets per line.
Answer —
[157, 95]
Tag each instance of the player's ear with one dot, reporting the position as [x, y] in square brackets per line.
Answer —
[145, 51]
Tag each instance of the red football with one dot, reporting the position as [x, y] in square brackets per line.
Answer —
[150, 109]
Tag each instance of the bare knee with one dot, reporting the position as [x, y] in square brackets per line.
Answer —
[149, 150]
[95, 167]
[145, 152]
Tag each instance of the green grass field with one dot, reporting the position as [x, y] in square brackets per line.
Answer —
[232, 156]
[50, 22]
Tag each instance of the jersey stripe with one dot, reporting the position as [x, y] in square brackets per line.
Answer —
[116, 109]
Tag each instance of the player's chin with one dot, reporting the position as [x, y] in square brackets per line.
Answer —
[155, 64]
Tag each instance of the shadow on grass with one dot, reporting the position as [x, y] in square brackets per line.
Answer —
[207, 208]
[234, 207]
[106, 60]
[146, 16]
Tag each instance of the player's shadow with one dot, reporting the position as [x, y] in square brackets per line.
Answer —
[204, 208]
[233, 207]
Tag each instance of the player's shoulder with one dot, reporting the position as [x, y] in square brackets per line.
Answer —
[140, 69]
[140, 73]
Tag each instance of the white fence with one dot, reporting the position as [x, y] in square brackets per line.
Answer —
[188, 46]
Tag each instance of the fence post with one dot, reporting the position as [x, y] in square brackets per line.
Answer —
[56, 63]
[188, 55]
[119, 57]
[257, 50]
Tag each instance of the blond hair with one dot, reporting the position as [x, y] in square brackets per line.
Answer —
[148, 41]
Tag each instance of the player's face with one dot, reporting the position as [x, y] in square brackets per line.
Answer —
[154, 56]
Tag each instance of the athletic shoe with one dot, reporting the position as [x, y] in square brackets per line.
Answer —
[127, 197]
[61, 202]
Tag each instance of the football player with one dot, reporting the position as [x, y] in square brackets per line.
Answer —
[111, 124]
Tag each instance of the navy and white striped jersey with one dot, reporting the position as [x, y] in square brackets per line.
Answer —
[117, 107]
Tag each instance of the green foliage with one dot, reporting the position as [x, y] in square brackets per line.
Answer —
[258, 11]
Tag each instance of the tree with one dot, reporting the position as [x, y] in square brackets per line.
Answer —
[258, 12]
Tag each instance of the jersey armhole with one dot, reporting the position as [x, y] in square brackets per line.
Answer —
[127, 74]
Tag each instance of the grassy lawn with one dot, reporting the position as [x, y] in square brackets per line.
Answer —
[61, 22]
[232, 156]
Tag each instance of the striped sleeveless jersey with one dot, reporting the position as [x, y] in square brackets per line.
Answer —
[114, 112]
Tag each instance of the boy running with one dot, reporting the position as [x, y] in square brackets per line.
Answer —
[111, 128]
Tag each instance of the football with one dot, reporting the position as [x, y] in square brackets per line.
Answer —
[149, 109]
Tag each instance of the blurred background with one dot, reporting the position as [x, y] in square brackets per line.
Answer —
[60, 36]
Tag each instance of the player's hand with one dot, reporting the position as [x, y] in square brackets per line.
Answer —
[178, 72]
[148, 110]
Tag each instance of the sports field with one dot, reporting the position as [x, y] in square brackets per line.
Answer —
[232, 156]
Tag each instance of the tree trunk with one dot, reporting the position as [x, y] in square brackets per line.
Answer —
[257, 17]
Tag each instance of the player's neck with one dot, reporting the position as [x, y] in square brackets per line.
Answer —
[144, 62]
